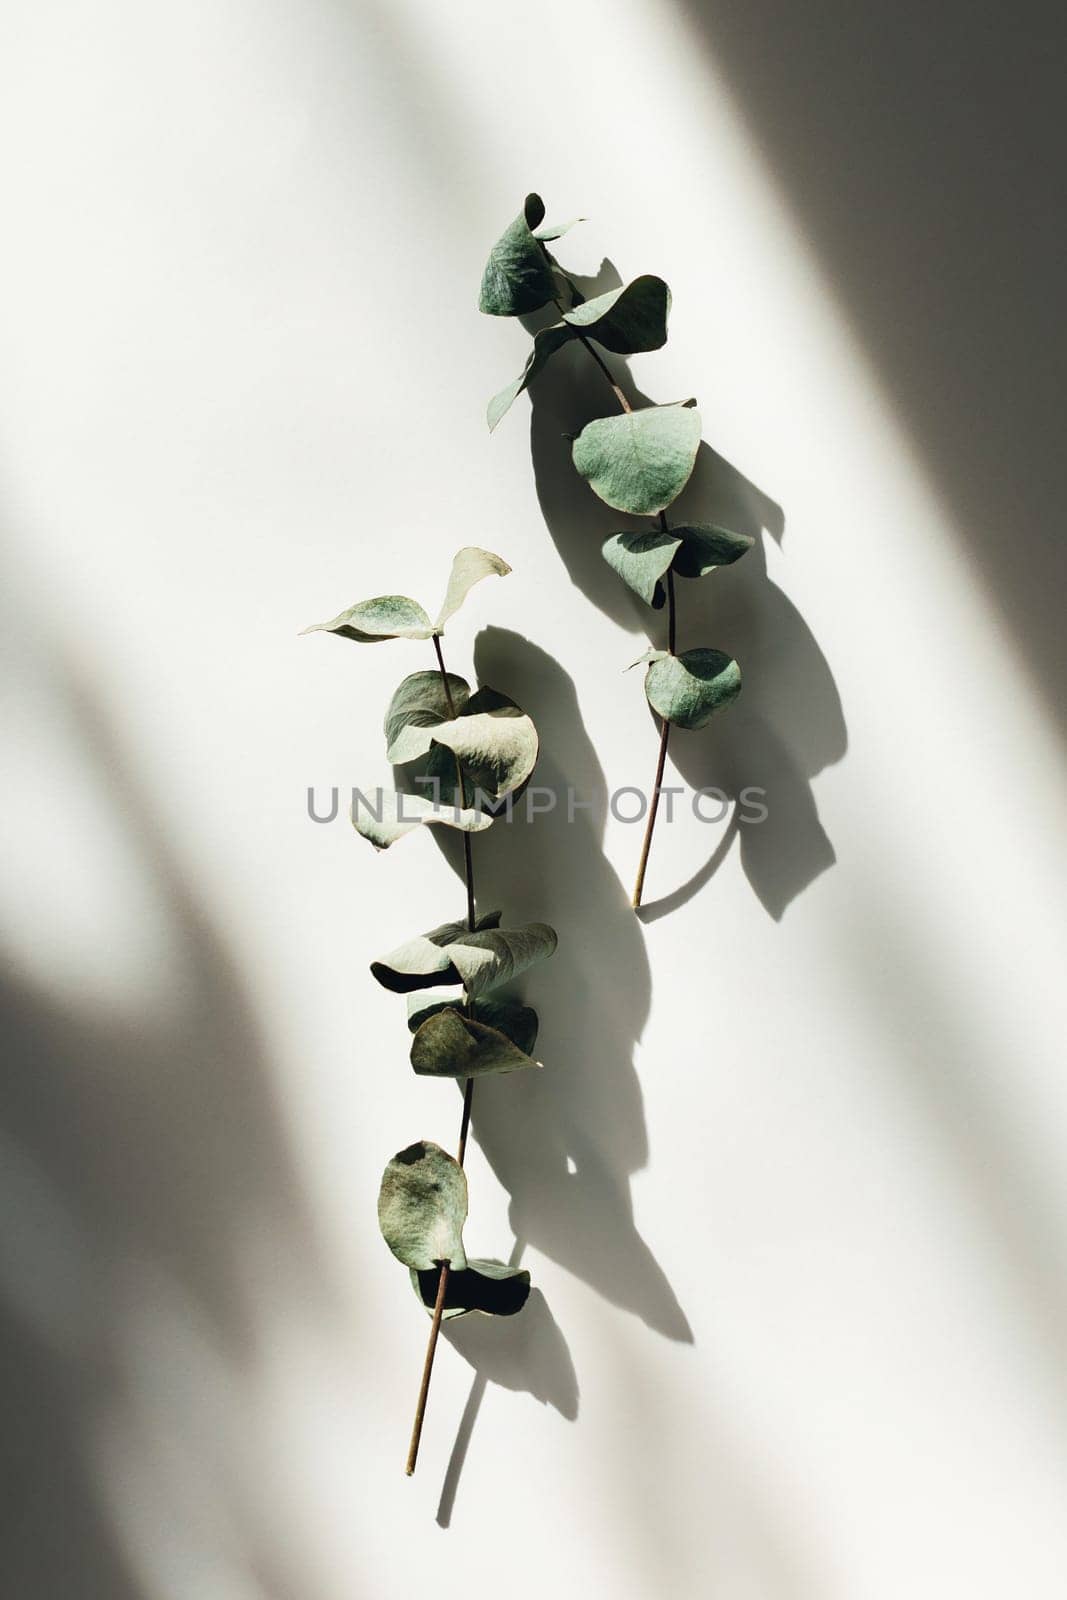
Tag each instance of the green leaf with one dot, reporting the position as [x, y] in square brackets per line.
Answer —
[509, 1017]
[449, 1045]
[469, 567]
[495, 741]
[545, 343]
[479, 961]
[626, 320]
[518, 276]
[389, 616]
[486, 959]
[422, 1206]
[689, 689]
[705, 547]
[555, 230]
[486, 1286]
[640, 461]
[641, 560]
[387, 817]
[424, 962]
[419, 706]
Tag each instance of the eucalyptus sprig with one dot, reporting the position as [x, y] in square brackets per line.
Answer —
[475, 750]
[637, 462]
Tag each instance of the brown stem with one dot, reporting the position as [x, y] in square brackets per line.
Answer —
[427, 1368]
[468, 1097]
[665, 733]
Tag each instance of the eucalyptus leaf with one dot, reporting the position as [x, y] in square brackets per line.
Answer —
[419, 706]
[479, 961]
[385, 816]
[688, 689]
[495, 741]
[546, 342]
[555, 230]
[486, 1286]
[469, 567]
[424, 962]
[389, 616]
[518, 274]
[516, 1021]
[651, 654]
[705, 547]
[422, 1206]
[640, 461]
[486, 959]
[626, 320]
[641, 560]
[450, 1045]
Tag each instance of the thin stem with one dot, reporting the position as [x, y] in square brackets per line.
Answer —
[620, 397]
[427, 1368]
[665, 733]
[468, 1098]
[665, 730]
[468, 857]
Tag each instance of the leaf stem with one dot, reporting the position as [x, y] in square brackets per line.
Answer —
[468, 1098]
[427, 1369]
[665, 730]
[665, 733]
[620, 397]
[468, 858]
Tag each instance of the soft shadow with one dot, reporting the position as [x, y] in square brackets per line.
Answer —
[565, 1141]
[143, 1148]
[788, 723]
[943, 234]
[526, 1352]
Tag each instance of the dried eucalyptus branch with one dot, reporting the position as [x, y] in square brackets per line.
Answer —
[638, 463]
[475, 751]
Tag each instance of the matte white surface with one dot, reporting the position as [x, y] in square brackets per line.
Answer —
[791, 1185]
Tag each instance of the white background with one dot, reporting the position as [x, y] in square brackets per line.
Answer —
[791, 1184]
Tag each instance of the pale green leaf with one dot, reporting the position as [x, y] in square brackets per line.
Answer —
[640, 461]
[486, 1286]
[518, 276]
[626, 320]
[705, 547]
[469, 567]
[495, 740]
[555, 230]
[422, 1206]
[419, 706]
[486, 959]
[546, 342]
[389, 616]
[450, 1045]
[425, 962]
[689, 689]
[641, 560]
[452, 955]
[383, 816]
[516, 1021]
